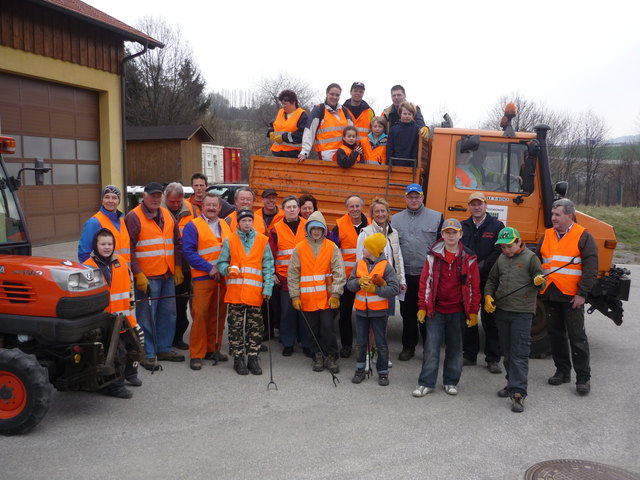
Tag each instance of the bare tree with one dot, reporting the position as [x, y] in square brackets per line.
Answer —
[270, 88]
[591, 131]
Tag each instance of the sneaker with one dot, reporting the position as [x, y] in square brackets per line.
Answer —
[345, 351]
[240, 366]
[503, 393]
[383, 379]
[118, 391]
[559, 378]
[406, 354]
[583, 388]
[390, 364]
[171, 356]
[367, 365]
[359, 376]
[421, 391]
[318, 362]
[332, 364]
[254, 365]
[493, 367]
[181, 345]
[451, 389]
[134, 381]
[195, 364]
[517, 403]
[287, 351]
[467, 362]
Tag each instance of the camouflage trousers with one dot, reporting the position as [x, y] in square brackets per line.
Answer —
[245, 329]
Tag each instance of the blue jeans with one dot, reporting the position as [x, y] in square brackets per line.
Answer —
[447, 328]
[291, 323]
[514, 329]
[379, 326]
[159, 322]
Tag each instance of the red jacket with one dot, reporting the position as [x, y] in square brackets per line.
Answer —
[467, 265]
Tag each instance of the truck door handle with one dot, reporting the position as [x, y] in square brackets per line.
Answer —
[456, 209]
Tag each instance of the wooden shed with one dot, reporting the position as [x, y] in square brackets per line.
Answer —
[165, 154]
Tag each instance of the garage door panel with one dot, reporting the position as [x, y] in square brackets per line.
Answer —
[9, 89]
[63, 124]
[87, 126]
[41, 227]
[11, 117]
[67, 225]
[89, 198]
[33, 94]
[37, 199]
[36, 121]
[65, 199]
[61, 97]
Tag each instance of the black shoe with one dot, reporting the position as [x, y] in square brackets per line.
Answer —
[171, 356]
[467, 362]
[503, 393]
[493, 367]
[517, 403]
[264, 348]
[149, 364]
[406, 354]
[559, 378]
[195, 364]
[345, 351]
[318, 362]
[307, 352]
[583, 388]
[332, 364]
[118, 392]
[359, 376]
[240, 366]
[383, 379]
[181, 345]
[253, 365]
[221, 357]
[287, 351]
[134, 381]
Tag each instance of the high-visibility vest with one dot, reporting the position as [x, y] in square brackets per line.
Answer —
[187, 218]
[375, 156]
[234, 220]
[209, 246]
[123, 242]
[329, 133]
[198, 205]
[363, 122]
[282, 126]
[466, 180]
[346, 149]
[287, 241]
[247, 287]
[258, 221]
[315, 272]
[120, 289]
[556, 253]
[348, 242]
[371, 300]
[154, 249]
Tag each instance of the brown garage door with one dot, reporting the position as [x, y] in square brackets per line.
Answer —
[59, 124]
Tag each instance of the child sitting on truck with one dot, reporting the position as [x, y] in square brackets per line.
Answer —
[374, 145]
[350, 152]
[403, 136]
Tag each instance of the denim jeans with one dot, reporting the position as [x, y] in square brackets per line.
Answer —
[291, 323]
[444, 328]
[379, 326]
[515, 341]
[411, 329]
[158, 322]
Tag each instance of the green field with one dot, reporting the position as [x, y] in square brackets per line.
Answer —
[626, 221]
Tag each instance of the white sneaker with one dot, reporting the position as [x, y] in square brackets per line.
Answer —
[390, 364]
[451, 389]
[421, 391]
[366, 364]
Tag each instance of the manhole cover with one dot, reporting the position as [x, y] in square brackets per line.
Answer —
[577, 470]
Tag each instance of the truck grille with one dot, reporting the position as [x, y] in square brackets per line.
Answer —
[14, 292]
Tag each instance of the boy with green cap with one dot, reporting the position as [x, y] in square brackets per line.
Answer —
[516, 267]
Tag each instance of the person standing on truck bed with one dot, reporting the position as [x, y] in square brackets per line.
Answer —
[243, 200]
[360, 110]
[479, 234]
[403, 136]
[288, 127]
[345, 236]
[156, 265]
[107, 217]
[323, 133]
[566, 291]
[418, 229]
[392, 112]
[182, 212]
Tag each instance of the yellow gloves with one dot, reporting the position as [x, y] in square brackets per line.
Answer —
[421, 315]
[364, 280]
[424, 132]
[233, 271]
[178, 276]
[334, 302]
[142, 283]
[377, 280]
[297, 303]
[277, 139]
[368, 287]
[538, 280]
[473, 320]
[489, 305]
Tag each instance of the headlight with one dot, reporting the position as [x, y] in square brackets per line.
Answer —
[78, 280]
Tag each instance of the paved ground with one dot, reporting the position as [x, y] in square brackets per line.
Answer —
[185, 424]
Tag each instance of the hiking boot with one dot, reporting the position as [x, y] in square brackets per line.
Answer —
[559, 378]
[421, 391]
[406, 354]
[383, 379]
[493, 367]
[359, 376]
[345, 351]
[118, 391]
[181, 345]
[503, 393]
[451, 389]
[134, 381]
[254, 365]
[332, 364]
[239, 366]
[467, 362]
[149, 364]
[517, 403]
[583, 388]
[318, 362]
[217, 356]
[171, 356]
[195, 364]
[287, 351]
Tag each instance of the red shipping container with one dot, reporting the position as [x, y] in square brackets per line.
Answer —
[232, 161]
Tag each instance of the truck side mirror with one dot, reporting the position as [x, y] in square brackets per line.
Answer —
[561, 188]
[470, 143]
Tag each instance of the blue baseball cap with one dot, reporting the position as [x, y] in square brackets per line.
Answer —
[413, 187]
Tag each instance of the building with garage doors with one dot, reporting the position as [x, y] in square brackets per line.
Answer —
[61, 64]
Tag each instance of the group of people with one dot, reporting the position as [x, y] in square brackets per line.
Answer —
[349, 133]
[280, 268]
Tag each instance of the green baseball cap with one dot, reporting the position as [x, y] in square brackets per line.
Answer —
[507, 236]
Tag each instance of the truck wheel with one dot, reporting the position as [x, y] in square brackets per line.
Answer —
[540, 347]
[25, 392]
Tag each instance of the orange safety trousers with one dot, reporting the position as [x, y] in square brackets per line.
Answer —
[209, 313]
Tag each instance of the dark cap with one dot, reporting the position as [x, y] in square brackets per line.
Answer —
[357, 85]
[153, 187]
[269, 191]
[244, 213]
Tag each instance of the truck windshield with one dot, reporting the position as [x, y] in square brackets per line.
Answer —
[11, 224]
[494, 166]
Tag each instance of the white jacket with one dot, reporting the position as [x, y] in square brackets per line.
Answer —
[391, 250]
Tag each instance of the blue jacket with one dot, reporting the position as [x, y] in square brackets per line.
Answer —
[403, 141]
[85, 245]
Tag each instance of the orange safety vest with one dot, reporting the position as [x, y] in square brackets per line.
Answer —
[363, 122]
[283, 125]
[329, 133]
[123, 242]
[247, 288]
[192, 200]
[315, 272]
[348, 242]
[346, 149]
[209, 245]
[375, 156]
[154, 249]
[234, 220]
[187, 218]
[466, 180]
[556, 253]
[287, 241]
[258, 221]
[371, 300]
[120, 289]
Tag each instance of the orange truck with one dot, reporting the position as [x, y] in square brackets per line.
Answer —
[53, 326]
[511, 169]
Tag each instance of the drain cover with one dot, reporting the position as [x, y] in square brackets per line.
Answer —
[577, 470]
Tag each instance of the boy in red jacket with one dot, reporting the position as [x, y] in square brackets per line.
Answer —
[448, 297]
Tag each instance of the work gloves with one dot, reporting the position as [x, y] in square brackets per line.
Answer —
[233, 271]
[140, 334]
[538, 280]
[142, 283]
[368, 287]
[421, 315]
[472, 321]
[297, 303]
[334, 302]
[489, 305]
[275, 138]
[424, 132]
[178, 276]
